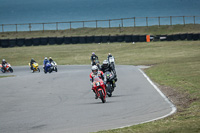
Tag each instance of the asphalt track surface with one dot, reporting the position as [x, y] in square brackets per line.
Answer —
[63, 102]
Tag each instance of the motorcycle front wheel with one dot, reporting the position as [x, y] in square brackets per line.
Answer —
[102, 97]
[11, 70]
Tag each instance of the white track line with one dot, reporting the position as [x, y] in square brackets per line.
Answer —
[165, 98]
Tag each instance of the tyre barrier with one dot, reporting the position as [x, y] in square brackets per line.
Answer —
[135, 38]
[176, 37]
[5, 43]
[20, 42]
[59, 40]
[142, 38]
[169, 37]
[105, 39]
[36, 41]
[97, 39]
[82, 39]
[189, 36]
[75, 40]
[89, 39]
[113, 39]
[28, 42]
[183, 36]
[94, 39]
[44, 41]
[120, 38]
[196, 36]
[12, 42]
[67, 40]
[52, 40]
[128, 38]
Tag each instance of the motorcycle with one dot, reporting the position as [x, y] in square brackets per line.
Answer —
[99, 88]
[111, 61]
[47, 68]
[54, 66]
[109, 80]
[35, 67]
[7, 68]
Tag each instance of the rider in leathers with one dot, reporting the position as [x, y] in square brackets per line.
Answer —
[94, 58]
[31, 63]
[106, 67]
[95, 72]
[3, 63]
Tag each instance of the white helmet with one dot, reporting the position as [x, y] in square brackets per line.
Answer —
[105, 63]
[3, 60]
[45, 58]
[95, 69]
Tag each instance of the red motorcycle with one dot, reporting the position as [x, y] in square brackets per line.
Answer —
[7, 68]
[99, 88]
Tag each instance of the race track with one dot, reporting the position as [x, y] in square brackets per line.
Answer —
[63, 102]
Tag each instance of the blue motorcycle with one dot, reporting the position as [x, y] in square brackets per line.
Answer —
[47, 68]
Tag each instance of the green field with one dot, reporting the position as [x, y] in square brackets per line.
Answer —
[175, 67]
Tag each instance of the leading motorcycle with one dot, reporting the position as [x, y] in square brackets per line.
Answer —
[7, 68]
[99, 88]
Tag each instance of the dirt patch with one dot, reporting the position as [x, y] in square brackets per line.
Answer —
[181, 100]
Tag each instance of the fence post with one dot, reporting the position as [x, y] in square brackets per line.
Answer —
[134, 22]
[147, 21]
[184, 20]
[109, 23]
[43, 26]
[96, 24]
[57, 26]
[16, 27]
[122, 22]
[2, 28]
[194, 19]
[159, 21]
[30, 27]
[171, 20]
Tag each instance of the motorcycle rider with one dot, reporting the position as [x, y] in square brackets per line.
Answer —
[109, 55]
[95, 72]
[3, 63]
[107, 67]
[50, 59]
[45, 62]
[94, 58]
[31, 63]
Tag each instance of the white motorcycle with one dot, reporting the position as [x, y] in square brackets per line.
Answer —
[54, 66]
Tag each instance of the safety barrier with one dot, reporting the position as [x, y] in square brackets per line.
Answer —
[4, 43]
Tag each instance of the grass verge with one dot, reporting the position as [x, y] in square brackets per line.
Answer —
[175, 67]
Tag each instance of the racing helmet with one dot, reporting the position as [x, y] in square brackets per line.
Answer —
[93, 53]
[45, 58]
[95, 69]
[105, 63]
[50, 58]
[3, 60]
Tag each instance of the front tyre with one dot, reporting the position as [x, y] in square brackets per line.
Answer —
[102, 97]
[38, 69]
[56, 69]
[11, 70]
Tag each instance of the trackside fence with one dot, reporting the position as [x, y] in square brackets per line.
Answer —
[122, 22]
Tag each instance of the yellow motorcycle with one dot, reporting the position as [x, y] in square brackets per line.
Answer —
[35, 67]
